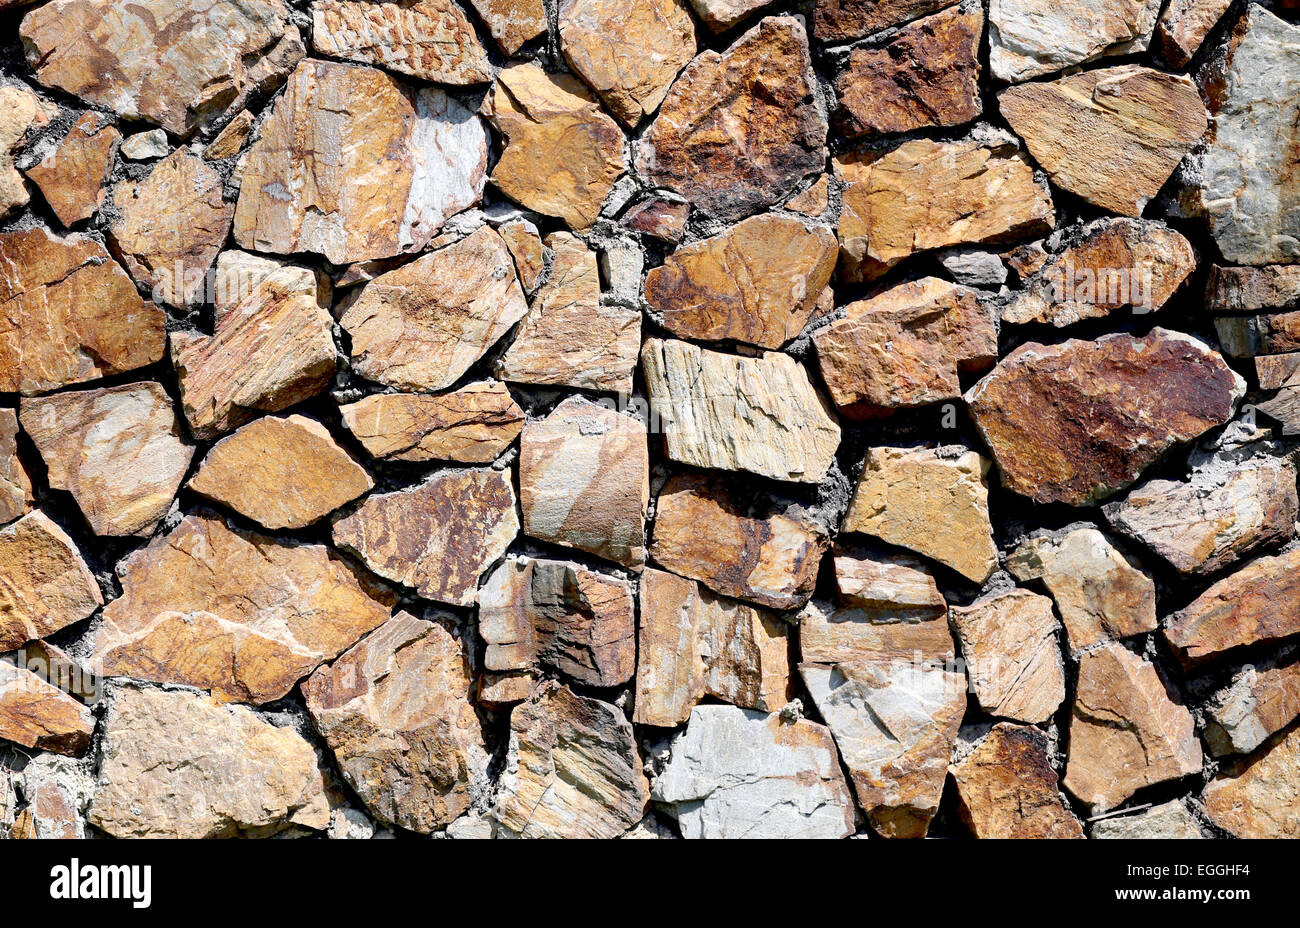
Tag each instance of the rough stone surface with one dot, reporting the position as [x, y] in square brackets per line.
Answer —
[177, 765]
[1259, 797]
[1170, 820]
[281, 472]
[739, 773]
[1014, 664]
[883, 633]
[660, 218]
[57, 791]
[837, 20]
[1259, 702]
[395, 711]
[232, 612]
[472, 425]
[720, 15]
[118, 450]
[16, 497]
[430, 39]
[897, 584]
[1250, 289]
[1076, 422]
[38, 716]
[1028, 38]
[512, 22]
[1006, 788]
[23, 114]
[1183, 26]
[529, 251]
[72, 176]
[44, 583]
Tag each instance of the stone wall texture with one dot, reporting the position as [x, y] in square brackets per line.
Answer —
[649, 418]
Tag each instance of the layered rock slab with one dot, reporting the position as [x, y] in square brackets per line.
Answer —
[1006, 788]
[72, 176]
[1168, 820]
[44, 583]
[1014, 664]
[16, 497]
[430, 39]
[24, 114]
[40, 717]
[1259, 702]
[1028, 38]
[472, 425]
[1259, 797]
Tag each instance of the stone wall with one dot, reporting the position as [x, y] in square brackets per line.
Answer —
[649, 418]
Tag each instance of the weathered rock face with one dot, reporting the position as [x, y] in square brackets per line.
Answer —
[584, 480]
[1215, 518]
[970, 193]
[720, 15]
[1260, 797]
[1125, 731]
[1184, 25]
[177, 64]
[472, 425]
[270, 350]
[233, 612]
[429, 39]
[568, 338]
[1116, 263]
[740, 773]
[177, 765]
[893, 633]
[1006, 788]
[627, 52]
[836, 20]
[1249, 191]
[739, 129]
[437, 537]
[1032, 37]
[926, 75]
[423, 325]
[904, 493]
[72, 314]
[897, 584]
[562, 153]
[23, 114]
[281, 472]
[660, 218]
[381, 166]
[1099, 593]
[572, 770]
[1078, 421]
[395, 711]
[1258, 703]
[760, 415]
[1249, 289]
[746, 550]
[1250, 336]
[72, 176]
[574, 620]
[41, 717]
[906, 347]
[512, 22]
[44, 583]
[57, 790]
[1170, 820]
[118, 451]
[1014, 664]
[694, 644]
[16, 495]
[757, 282]
[1257, 604]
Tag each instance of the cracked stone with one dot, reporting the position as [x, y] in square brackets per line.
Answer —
[21, 114]
[430, 39]
[44, 583]
[41, 717]
[1259, 702]
[472, 425]
[72, 176]
[1029, 38]
[1260, 796]
[1006, 788]
[16, 497]
[1009, 643]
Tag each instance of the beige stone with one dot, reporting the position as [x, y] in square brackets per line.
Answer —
[72, 176]
[1029, 38]
[430, 39]
[21, 114]
[896, 584]
[16, 497]
[1259, 797]
[881, 634]
[512, 22]
[1259, 702]
[57, 791]
[472, 425]
[231, 139]
[1168, 820]
[1006, 788]
[37, 716]
[44, 583]
[1183, 26]
[1012, 659]
[720, 15]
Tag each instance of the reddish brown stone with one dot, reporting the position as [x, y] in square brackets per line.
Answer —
[1006, 788]
[1251, 289]
[37, 716]
[15, 483]
[839, 20]
[659, 218]
[472, 425]
[72, 176]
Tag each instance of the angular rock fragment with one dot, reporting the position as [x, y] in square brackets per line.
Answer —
[146, 146]
[627, 52]
[1214, 519]
[1114, 264]
[760, 415]
[423, 325]
[881, 633]
[58, 668]
[1246, 184]
[472, 425]
[660, 218]
[1259, 604]
[720, 15]
[1252, 336]
[568, 338]
[503, 690]
[177, 765]
[1276, 371]
[118, 451]
[694, 644]
[1099, 593]
[72, 175]
[429, 39]
[46, 585]
[562, 153]
[925, 194]
[1170, 820]
[1113, 136]
[757, 282]
[233, 612]
[57, 791]
[1006, 788]
[745, 550]
[1014, 664]
[927, 74]
[177, 63]
[437, 537]
[1184, 25]
[16, 497]
[512, 22]
[904, 494]
[574, 620]
[281, 472]
[1079, 421]
[71, 314]
[905, 347]
[897, 584]
[230, 140]
[168, 228]
[1259, 702]
[584, 480]
[572, 770]
[395, 711]
[21, 113]
[381, 167]
[973, 267]
[738, 773]
[1028, 38]
[1251, 289]
[40, 717]
[1125, 732]
[270, 350]
[814, 200]
[526, 247]
[837, 20]
[741, 128]
[1260, 796]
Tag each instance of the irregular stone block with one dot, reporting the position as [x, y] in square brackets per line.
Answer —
[46, 584]
[472, 425]
[1009, 643]
[1006, 788]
